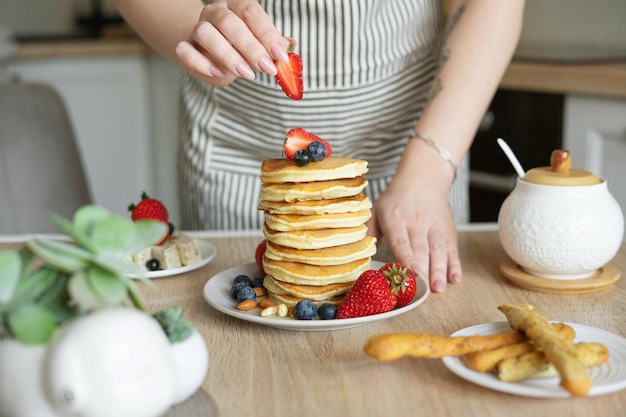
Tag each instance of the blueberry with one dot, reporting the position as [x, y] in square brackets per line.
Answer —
[236, 288]
[153, 264]
[171, 228]
[327, 311]
[302, 157]
[306, 310]
[246, 293]
[243, 279]
[317, 151]
[257, 282]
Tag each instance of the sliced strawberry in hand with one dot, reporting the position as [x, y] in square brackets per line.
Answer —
[289, 75]
[298, 138]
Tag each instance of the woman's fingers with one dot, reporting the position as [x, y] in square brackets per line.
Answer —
[239, 38]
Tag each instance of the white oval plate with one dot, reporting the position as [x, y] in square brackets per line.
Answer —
[608, 377]
[217, 294]
[207, 252]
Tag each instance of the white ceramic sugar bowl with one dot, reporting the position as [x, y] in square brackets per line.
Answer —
[560, 223]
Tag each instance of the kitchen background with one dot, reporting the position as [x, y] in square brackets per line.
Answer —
[122, 98]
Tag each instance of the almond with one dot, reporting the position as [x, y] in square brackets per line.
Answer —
[266, 303]
[246, 305]
[260, 291]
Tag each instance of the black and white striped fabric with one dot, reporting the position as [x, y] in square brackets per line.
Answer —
[368, 65]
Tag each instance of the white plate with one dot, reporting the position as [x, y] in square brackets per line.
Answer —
[608, 377]
[217, 294]
[207, 252]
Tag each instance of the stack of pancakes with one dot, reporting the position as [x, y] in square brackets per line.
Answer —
[315, 228]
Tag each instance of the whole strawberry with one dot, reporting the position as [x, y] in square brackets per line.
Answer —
[402, 282]
[370, 294]
[150, 209]
[258, 256]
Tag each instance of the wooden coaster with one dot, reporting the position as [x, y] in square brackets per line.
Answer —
[599, 281]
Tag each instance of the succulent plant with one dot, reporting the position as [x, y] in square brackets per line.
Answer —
[49, 282]
[173, 323]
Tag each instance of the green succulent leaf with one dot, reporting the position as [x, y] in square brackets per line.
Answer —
[33, 287]
[107, 286]
[66, 257]
[81, 294]
[112, 235]
[32, 324]
[10, 271]
[89, 215]
[56, 298]
[147, 233]
[78, 235]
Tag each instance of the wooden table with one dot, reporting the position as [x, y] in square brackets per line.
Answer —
[265, 372]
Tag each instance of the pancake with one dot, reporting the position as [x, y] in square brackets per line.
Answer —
[286, 222]
[358, 202]
[308, 292]
[299, 273]
[335, 255]
[315, 239]
[330, 168]
[317, 190]
[291, 301]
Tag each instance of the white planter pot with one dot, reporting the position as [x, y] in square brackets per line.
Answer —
[116, 362]
[21, 388]
[192, 362]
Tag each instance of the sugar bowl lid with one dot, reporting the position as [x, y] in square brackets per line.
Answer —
[560, 173]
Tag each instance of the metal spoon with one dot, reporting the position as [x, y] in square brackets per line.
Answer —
[512, 158]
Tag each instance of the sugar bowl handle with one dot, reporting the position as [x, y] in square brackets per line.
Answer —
[560, 161]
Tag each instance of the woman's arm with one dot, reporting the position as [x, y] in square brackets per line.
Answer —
[413, 213]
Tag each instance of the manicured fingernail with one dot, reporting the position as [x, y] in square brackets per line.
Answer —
[439, 285]
[216, 72]
[243, 70]
[416, 269]
[266, 65]
[455, 278]
[279, 52]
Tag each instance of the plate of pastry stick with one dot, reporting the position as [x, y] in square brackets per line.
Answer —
[526, 355]
[607, 377]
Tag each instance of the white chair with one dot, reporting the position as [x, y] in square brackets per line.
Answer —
[40, 164]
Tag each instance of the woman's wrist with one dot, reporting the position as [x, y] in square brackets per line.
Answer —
[443, 153]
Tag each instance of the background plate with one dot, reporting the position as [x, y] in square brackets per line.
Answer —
[207, 251]
[217, 294]
[608, 377]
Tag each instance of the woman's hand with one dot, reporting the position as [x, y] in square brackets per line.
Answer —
[420, 232]
[233, 38]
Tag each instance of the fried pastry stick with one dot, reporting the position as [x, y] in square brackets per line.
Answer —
[534, 364]
[391, 346]
[557, 349]
[487, 360]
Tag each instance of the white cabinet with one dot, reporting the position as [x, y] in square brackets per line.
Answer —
[595, 134]
[164, 81]
[108, 101]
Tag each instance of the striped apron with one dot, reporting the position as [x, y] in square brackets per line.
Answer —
[367, 69]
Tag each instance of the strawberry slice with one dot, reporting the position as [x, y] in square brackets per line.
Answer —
[289, 76]
[298, 138]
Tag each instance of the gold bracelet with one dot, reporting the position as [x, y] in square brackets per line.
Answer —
[444, 154]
